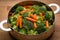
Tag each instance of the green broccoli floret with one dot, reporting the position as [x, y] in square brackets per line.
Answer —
[40, 27]
[26, 14]
[23, 31]
[32, 32]
[18, 9]
[15, 27]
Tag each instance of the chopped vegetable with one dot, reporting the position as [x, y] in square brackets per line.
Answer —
[41, 14]
[20, 22]
[22, 31]
[32, 32]
[30, 19]
[15, 27]
[35, 26]
[47, 24]
[33, 16]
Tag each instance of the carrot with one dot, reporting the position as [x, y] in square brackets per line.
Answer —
[17, 23]
[33, 16]
[47, 24]
[30, 19]
[26, 10]
[35, 26]
[20, 22]
[41, 14]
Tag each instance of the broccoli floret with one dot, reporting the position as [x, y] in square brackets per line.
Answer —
[26, 14]
[23, 31]
[40, 28]
[15, 27]
[47, 16]
[18, 9]
[32, 32]
[35, 7]
[13, 23]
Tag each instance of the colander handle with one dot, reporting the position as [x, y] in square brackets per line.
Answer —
[57, 7]
[1, 26]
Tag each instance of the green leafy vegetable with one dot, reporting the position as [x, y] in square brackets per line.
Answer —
[18, 9]
[26, 14]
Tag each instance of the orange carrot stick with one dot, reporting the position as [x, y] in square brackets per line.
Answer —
[33, 16]
[30, 19]
[20, 22]
[17, 23]
[26, 10]
[41, 14]
[47, 24]
[35, 26]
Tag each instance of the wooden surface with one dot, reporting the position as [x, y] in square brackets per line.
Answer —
[5, 6]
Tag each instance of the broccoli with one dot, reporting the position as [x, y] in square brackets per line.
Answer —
[26, 14]
[23, 31]
[18, 9]
[32, 32]
[15, 27]
[40, 28]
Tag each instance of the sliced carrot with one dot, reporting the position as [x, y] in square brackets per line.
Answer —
[41, 14]
[35, 26]
[33, 16]
[20, 22]
[30, 19]
[47, 24]
[26, 10]
[17, 23]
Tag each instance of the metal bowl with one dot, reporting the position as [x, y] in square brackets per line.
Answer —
[40, 36]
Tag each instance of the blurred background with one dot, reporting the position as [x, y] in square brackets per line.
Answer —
[6, 5]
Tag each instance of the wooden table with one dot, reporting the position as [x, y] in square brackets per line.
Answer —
[5, 6]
